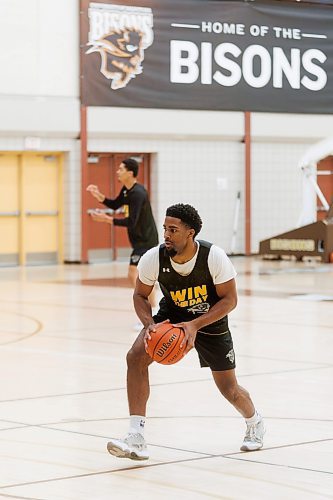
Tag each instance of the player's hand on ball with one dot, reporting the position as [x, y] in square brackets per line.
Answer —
[190, 335]
[152, 328]
[163, 346]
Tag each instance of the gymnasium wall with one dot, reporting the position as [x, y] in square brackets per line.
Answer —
[187, 171]
[197, 156]
[201, 151]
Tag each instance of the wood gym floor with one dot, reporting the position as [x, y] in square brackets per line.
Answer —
[64, 333]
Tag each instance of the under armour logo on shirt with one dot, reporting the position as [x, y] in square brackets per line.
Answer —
[166, 270]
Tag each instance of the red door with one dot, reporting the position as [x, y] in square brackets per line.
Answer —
[325, 182]
[100, 235]
[107, 242]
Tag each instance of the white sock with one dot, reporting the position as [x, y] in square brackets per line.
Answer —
[254, 419]
[137, 424]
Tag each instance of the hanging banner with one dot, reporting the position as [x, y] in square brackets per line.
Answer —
[207, 54]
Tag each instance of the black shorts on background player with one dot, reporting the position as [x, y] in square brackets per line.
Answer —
[136, 255]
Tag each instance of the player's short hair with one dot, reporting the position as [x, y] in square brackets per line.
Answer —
[187, 214]
[131, 165]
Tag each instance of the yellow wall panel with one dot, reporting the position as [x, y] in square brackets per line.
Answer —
[9, 231]
[41, 234]
[9, 205]
[9, 183]
[40, 191]
[40, 182]
[30, 207]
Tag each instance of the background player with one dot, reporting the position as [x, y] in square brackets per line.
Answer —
[138, 219]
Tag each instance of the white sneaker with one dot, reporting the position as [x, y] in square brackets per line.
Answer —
[133, 446]
[254, 436]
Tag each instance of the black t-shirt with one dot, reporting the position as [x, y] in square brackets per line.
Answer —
[138, 219]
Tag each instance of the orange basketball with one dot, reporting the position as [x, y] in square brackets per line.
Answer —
[164, 345]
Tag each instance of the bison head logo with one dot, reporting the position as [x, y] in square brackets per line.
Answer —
[122, 53]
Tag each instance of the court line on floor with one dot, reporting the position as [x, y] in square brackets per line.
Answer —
[164, 417]
[239, 355]
[70, 431]
[295, 467]
[80, 339]
[22, 426]
[278, 360]
[46, 425]
[231, 417]
[280, 324]
[99, 436]
[99, 473]
[280, 372]
[38, 327]
[236, 453]
[290, 445]
[67, 306]
[230, 456]
[126, 311]
[5, 495]
[113, 342]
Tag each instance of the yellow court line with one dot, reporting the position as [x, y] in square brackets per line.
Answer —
[38, 328]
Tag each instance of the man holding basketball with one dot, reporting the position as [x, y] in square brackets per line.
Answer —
[198, 284]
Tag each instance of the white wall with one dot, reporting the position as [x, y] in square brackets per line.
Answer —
[41, 38]
[277, 188]
[167, 123]
[39, 116]
[39, 57]
[293, 128]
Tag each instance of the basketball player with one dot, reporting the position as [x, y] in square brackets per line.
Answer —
[181, 265]
[139, 219]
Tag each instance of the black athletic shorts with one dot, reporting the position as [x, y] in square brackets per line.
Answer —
[215, 351]
[136, 255]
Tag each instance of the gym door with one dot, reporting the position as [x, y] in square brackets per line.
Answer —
[41, 195]
[106, 242]
[9, 210]
[30, 215]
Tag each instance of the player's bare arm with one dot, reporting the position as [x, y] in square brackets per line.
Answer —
[141, 303]
[143, 308]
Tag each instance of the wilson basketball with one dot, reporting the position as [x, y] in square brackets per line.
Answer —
[164, 345]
